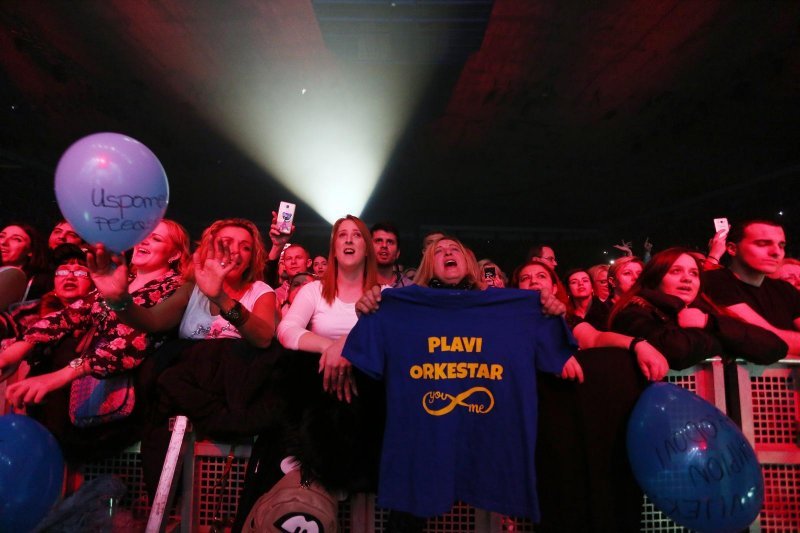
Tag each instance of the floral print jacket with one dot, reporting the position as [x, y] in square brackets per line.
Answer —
[115, 347]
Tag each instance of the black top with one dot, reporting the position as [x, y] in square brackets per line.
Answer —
[654, 316]
[777, 301]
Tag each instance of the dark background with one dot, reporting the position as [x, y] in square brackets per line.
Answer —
[571, 123]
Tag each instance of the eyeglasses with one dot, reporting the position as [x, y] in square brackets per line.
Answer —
[76, 273]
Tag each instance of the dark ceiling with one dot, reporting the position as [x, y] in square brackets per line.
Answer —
[578, 123]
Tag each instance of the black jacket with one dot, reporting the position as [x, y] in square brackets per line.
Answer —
[654, 316]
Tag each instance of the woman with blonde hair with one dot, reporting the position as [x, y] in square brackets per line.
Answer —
[599, 275]
[458, 269]
[448, 299]
[621, 277]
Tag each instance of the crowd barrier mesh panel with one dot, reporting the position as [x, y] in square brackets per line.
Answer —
[781, 510]
[381, 516]
[775, 416]
[775, 413]
[687, 381]
[343, 516]
[127, 466]
[460, 519]
[208, 470]
[655, 520]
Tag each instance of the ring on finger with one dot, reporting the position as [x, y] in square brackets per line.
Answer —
[222, 264]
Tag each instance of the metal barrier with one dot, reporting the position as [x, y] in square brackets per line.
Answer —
[770, 410]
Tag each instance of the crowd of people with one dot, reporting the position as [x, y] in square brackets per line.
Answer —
[249, 340]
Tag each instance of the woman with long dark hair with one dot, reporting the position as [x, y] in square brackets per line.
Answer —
[586, 483]
[666, 307]
[584, 306]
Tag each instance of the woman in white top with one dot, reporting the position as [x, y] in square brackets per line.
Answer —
[331, 439]
[323, 312]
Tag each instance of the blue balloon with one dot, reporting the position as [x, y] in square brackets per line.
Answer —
[693, 462]
[112, 189]
[31, 472]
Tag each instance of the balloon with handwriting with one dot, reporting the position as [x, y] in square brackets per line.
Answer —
[693, 462]
[112, 189]
[31, 472]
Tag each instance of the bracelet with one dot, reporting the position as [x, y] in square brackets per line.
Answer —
[236, 315]
[634, 342]
[121, 305]
[712, 258]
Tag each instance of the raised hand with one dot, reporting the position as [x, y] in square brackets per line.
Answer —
[717, 245]
[109, 272]
[210, 271]
[278, 239]
[625, 247]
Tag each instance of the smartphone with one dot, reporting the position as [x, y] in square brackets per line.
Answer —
[721, 224]
[285, 217]
[489, 273]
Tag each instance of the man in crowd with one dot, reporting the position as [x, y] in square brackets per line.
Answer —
[756, 248]
[386, 242]
[294, 259]
[545, 253]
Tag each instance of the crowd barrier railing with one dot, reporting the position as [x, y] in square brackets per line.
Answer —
[770, 415]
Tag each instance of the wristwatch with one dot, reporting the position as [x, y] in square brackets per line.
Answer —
[634, 342]
[234, 314]
[76, 363]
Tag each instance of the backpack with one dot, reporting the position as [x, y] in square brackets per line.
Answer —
[293, 507]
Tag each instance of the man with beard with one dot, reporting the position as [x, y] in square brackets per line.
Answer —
[387, 249]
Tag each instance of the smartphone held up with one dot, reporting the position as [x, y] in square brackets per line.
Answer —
[285, 217]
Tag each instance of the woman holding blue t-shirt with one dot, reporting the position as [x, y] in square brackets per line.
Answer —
[448, 265]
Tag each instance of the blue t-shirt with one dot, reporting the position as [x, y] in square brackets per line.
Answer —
[460, 372]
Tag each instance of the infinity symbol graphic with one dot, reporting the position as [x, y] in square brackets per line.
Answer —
[455, 401]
